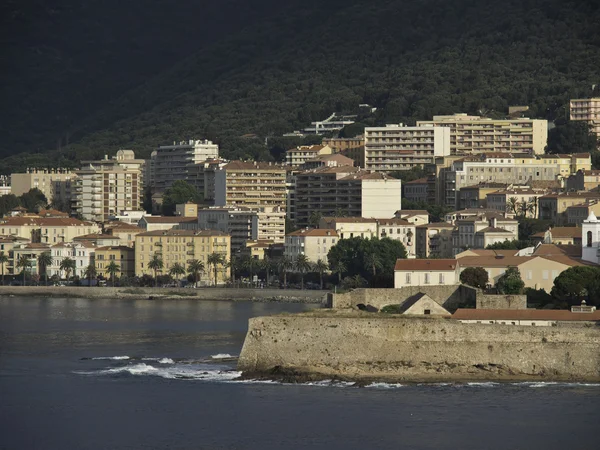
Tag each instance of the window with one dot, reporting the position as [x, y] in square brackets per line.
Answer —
[426, 278]
[408, 278]
[427, 312]
[529, 275]
[545, 274]
[441, 278]
[589, 238]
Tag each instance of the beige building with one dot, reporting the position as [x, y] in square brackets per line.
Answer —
[416, 216]
[584, 180]
[425, 272]
[559, 236]
[476, 196]
[55, 184]
[31, 251]
[483, 230]
[186, 210]
[300, 155]
[397, 147]
[475, 134]
[518, 200]
[81, 252]
[420, 190]
[333, 160]
[183, 246]
[259, 186]
[106, 188]
[330, 191]
[357, 155]
[586, 110]
[48, 230]
[554, 206]
[161, 223]
[242, 224]
[121, 255]
[124, 231]
[342, 144]
[576, 214]
[172, 162]
[434, 240]
[314, 243]
[202, 176]
[7, 244]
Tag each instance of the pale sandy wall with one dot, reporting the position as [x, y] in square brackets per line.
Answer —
[362, 345]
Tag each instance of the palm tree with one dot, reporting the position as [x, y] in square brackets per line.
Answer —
[156, 264]
[89, 273]
[267, 265]
[373, 262]
[339, 267]
[177, 270]
[302, 266]
[512, 204]
[284, 265]
[214, 260]
[44, 260]
[68, 265]
[24, 263]
[532, 206]
[195, 267]
[112, 270]
[250, 264]
[234, 264]
[3, 260]
[320, 266]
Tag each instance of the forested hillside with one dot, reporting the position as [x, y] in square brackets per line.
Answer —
[266, 70]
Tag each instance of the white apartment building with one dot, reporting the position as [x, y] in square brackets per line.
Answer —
[55, 184]
[242, 224]
[475, 134]
[170, 162]
[301, 154]
[587, 110]
[5, 185]
[259, 186]
[82, 252]
[483, 230]
[397, 147]
[108, 187]
[313, 243]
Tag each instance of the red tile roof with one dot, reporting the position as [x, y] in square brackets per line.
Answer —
[426, 264]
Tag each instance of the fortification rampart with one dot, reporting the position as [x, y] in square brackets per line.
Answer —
[360, 346]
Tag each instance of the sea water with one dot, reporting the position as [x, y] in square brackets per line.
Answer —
[154, 374]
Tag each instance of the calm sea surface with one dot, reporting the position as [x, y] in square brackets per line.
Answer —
[102, 374]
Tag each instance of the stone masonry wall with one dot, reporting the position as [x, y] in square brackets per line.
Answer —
[415, 349]
[501, 301]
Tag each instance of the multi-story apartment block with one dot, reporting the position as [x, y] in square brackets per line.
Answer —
[576, 214]
[397, 147]
[30, 251]
[344, 144]
[7, 244]
[240, 223]
[517, 200]
[82, 252]
[299, 155]
[333, 160]
[421, 190]
[476, 196]
[125, 232]
[5, 187]
[483, 230]
[474, 134]
[587, 110]
[259, 186]
[356, 154]
[554, 206]
[183, 246]
[434, 240]
[329, 191]
[121, 255]
[163, 223]
[313, 243]
[108, 187]
[202, 176]
[584, 180]
[55, 184]
[171, 162]
[47, 230]
[505, 168]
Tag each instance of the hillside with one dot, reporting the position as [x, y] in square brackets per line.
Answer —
[296, 63]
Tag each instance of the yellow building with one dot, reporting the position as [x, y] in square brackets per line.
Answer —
[183, 246]
[299, 155]
[7, 244]
[54, 183]
[123, 256]
[342, 144]
[124, 231]
[47, 230]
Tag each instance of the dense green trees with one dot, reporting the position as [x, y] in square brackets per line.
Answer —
[32, 201]
[475, 276]
[576, 284]
[180, 192]
[510, 245]
[510, 282]
[371, 259]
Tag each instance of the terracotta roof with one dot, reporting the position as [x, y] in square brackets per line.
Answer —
[567, 260]
[494, 261]
[169, 219]
[173, 232]
[561, 232]
[36, 245]
[349, 220]
[436, 225]
[330, 169]
[394, 221]
[117, 224]
[557, 249]
[493, 230]
[44, 221]
[52, 213]
[426, 264]
[524, 314]
[314, 232]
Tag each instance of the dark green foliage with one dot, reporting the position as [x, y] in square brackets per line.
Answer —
[8, 203]
[510, 245]
[179, 192]
[528, 227]
[353, 130]
[510, 282]
[571, 137]
[264, 70]
[33, 200]
[576, 284]
[538, 298]
[410, 175]
[391, 309]
[436, 212]
[474, 276]
[356, 256]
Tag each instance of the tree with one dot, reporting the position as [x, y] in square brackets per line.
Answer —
[338, 267]
[512, 205]
[373, 262]
[302, 265]
[235, 264]
[112, 270]
[267, 265]
[572, 137]
[89, 273]
[314, 219]
[3, 260]
[8, 202]
[33, 200]
[510, 245]
[68, 265]
[215, 260]
[475, 276]
[510, 282]
[576, 284]
[195, 268]
[156, 264]
[320, 266]
[180, 192]
[44, 260]
[284, 265]
[24, 263]
[177, 270]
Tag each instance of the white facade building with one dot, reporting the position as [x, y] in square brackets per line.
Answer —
[590, 239]
[81, 252]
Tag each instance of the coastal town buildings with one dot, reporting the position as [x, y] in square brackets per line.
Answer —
[517, 200]
[559, 236]
[158, 223]
[82, 253]
[339, 145]
[398, 147]
[55, 184]
[425, 272]
[434, 240]
[588, 111]
[122, 256]
[241, 223]
[47, 230]
[303, 153]
[482, 230]
[313, 243]
[583, 180]
[475, 134]
[554, 206]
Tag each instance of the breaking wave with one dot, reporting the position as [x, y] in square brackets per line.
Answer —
[188, 372]
[223, 356]
[110, 358]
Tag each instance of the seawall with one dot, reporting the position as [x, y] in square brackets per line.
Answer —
[208, 293]
[359, 346]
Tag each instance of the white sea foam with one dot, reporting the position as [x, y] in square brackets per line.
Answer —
[384, 385]
[222, 356]
[483, 384]
[190, 372]
[166, 361]
[114, 358]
